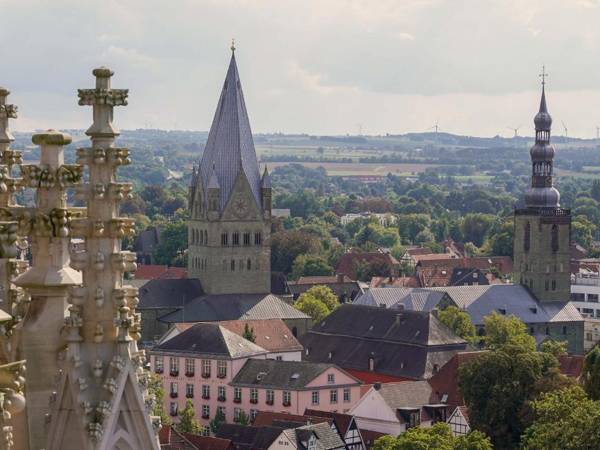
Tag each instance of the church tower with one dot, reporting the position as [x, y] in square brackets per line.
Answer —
[543, 228]
[230, 203]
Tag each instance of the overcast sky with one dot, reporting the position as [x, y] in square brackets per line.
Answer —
[315, 66]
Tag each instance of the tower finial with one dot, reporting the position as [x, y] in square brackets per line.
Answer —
[543, 75]
[232, 45]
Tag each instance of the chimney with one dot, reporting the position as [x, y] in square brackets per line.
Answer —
[377, 385]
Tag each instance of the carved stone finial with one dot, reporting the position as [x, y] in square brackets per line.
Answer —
[51, 137]
[6, 112]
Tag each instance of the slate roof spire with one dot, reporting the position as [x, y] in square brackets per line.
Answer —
[230, 147]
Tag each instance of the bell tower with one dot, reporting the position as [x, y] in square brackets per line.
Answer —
[542, 227]
[230, 203]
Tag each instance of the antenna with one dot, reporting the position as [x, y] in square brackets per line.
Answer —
[566, 130]
[516, 130]
[597, 132]
[435, 127]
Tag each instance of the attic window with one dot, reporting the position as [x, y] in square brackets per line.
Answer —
[444, 398]
[443, 272]
[330, 355]
[306, 351]
[371, 328]
[295, 376]
[533, 309]
[502, 311]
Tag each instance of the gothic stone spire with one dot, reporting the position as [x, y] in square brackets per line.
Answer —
[230, 148]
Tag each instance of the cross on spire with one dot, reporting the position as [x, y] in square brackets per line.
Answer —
[232, 45]
[543, 75]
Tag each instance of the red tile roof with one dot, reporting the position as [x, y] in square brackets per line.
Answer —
[171, 439]
[432, 257]
[374, 377]
[267, 418]
[154, 272]
[209, 443]
[342, 421]
[445, 381]
[434, 272]
[411, 282]
[369, 437]
[419, 251]
[571, 365]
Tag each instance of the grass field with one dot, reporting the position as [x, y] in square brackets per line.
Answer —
[362, 169]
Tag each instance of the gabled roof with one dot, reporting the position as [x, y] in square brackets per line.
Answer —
[209, 443]
[230, 147]
[251, 438]
[271, 334]
[342, 421]
[327, 438]
[210, 339]
[406, 394]
[270, 373]
[169, 293]
[409, 282]
[407, 344]
[215, 308]
[412, 299]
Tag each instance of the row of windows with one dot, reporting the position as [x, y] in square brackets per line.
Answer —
[199, 263]
[246, 239]
[199, 237]
[205, 431]
[190, 367]
[286, 397]
[581, 297]
[240, 265]
[556, 268]
[554, 238]
[547, 283]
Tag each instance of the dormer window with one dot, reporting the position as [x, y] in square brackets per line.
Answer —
[371, 364]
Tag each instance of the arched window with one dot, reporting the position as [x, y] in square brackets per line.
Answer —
[527, 237]
[233, 265]
[554, 238]
[249, 264]
[205, 237]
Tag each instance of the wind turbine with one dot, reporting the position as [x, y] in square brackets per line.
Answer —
[597, 132]
[516, 130]
[566, 130]
[435, 127]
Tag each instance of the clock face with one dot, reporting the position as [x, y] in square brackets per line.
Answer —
[240, 207]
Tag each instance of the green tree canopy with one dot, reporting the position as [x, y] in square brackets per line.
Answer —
[288, 244]
[437, 437]
[459, 322]
[187, 419]
[311, 306]
[173, 242]
[324, 295]
[310, 265]
[591, 374]
[155, 387]
[217, 421]
[501, 330]
[565, 419]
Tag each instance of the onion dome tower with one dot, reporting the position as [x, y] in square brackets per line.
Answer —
[542, 227]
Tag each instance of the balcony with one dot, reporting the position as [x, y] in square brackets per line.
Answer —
[287, 404]
[206, 396]
[158, 370]
[221, 398]
[222, 375]
[189, 395]
[173, 395]
[174, 373]
[237, 400]
[269, 401]
[205, 374]
[205, 415]
[189, 374]
[254, 401]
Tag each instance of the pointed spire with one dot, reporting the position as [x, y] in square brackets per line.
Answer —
[266, 179]
[229, 151]
[543, 120]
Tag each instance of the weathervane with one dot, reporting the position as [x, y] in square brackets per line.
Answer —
[232, 45]
[543, 75]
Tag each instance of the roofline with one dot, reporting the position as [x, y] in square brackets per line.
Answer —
[200, 355]
[271, 386]
[363, 338]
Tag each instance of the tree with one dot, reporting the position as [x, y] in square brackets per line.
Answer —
[156, 389]
[249, 333]
[312, 307]
[310, 265]
[501, 331]
[217, 421]
[554, 348]
[475, 227]
[591, 374]
[564, 420]
[187, 419]
[287, 245]
[437, 437]
[325, 295]
[243, 419]
[173, 243]
[459, 322]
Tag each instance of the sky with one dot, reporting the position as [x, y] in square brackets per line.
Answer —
[309, 66]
